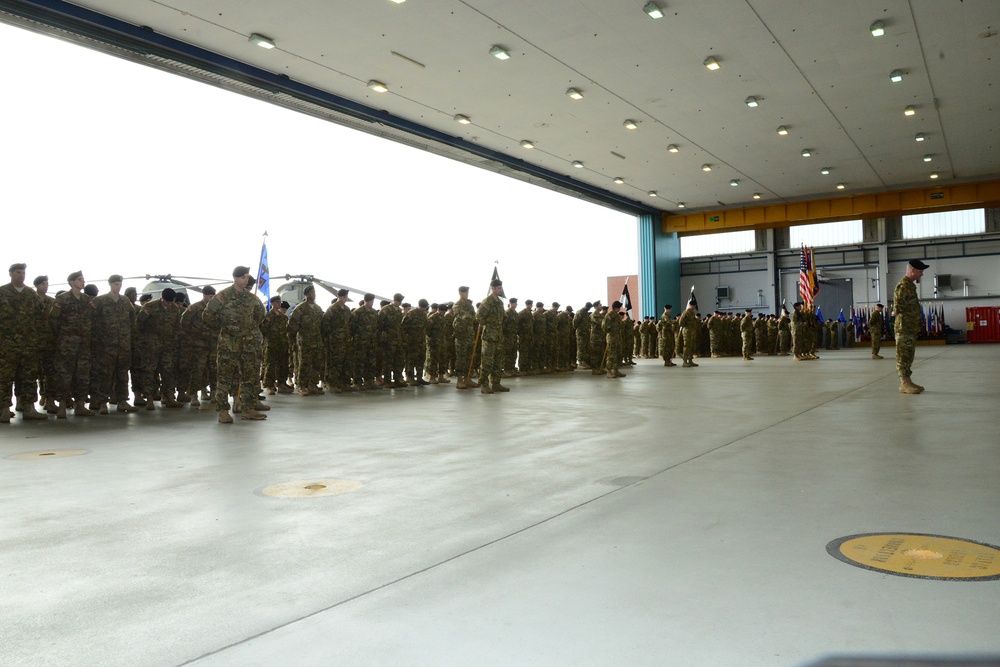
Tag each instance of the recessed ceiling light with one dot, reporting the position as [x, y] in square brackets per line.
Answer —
[652, 193]
[673, 148]
[841, 186]
[378, 86]
[464, 120]
[807, 152]
[399, 2]
[751, 101]
[934, 175]
[920, 136]
[712, 64]
[619, 180]
[499, 52]
[909, 111]
[756, 195]
[527, 144]
[706, 167]
[877, 29]
[653, 11]
[896, 76]
[782, 130]
[574, 93]
[262, 41]
[734, 182]
[824, 171]
[680, 204]
[630, 124]
[577, 164]
[928, 157]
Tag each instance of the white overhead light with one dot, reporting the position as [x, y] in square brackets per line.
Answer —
[909, 111]
[896, 76]
[824, 171]
[756, 195]
[680, 204]
[920, 136]
[652, 193]
[630, 124]
[577, 164]
[782, 130]
[464, 120]
[653, 11]
[574, 93]
[399, 2]
[525, 143]
[378, 86]
[706, 167]
[877, 29]
[806, 152]
[673, 148]
[734, 182]
[619, 180]
[928, 157]
[751, 101]
[712, 64]
[262, 41]
[841, 186]
[499, 52]
[934, 175]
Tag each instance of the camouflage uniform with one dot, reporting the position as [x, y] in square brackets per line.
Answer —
[414, 334]
[305, 328]
[196, 342]
[112, 338]
[434, 336]
[336, 328]
[784, 335]
[19, 315]
[525, 330]
[799, 332]
[539, 340]
[628, 339]
[581, 323]
[612, 325]
[760, 335]
[364, 335]
[665, 338]
[564, 329]
[46, 352]
[490, 317]
[274, 329]
[390, 320]
[688, 325]
[71, 320]
[552, 338]
[876, 325]
[746, 333]
[510, 320]
[158, 322]
[906, 305]
[464, 332]
[597, 342]
[236, 315]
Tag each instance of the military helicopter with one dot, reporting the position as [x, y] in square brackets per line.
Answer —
[293, 290]
[160, 282]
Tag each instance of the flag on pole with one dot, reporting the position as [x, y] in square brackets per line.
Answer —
[805, 281]
[693, 301]
[496, 276]
[840, 318]
[264, 275]
[626, 299]
[819, 314]
[813, 279]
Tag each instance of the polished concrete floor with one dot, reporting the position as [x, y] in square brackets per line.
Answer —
[673, 517]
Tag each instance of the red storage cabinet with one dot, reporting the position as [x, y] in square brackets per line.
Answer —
[984, 324]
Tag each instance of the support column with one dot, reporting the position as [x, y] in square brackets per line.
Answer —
[659, 265]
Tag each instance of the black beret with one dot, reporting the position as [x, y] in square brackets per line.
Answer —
[168, 294]
[130, 291]
[405, 304]
[528, 302]
[423, 303]
[286, 305]
[40, 279]
[512, 300]
[667, 307]
[539, 304]
[210, 291]
[383, 303]
[555, 304]
[90, 289]
[616, 305]
[342, 292]
[145, 297]
[442, 307]
[588, 306]
[495, 283]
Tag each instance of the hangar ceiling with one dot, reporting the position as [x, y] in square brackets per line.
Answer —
[812, 67]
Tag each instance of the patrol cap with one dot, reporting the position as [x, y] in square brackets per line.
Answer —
[493, 283]
[39, 280]
[241, 271]
[397, 297]
[210, 291]
[168, 294]
[342, 292]
[369, 297]
[464, 289]
[918, 265]
[76, 275]
[115, 278]
[18, 267]
[422, 303]
[90, 290]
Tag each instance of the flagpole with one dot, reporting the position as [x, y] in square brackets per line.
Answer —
[260, 262]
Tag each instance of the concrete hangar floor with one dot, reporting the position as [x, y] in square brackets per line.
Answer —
[673, 517]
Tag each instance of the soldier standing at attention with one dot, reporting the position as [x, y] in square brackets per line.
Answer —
[113, 347]
[45, 346]
[237, 314]
[510, 339]
[597, 339]
[784, 333]
[196, 341]
[305, 328]
[581, 323]
[746, 333]
[798, 326]
[463, 330]
[274, 329]
[876, 325]
[414, 329]
[71, 319]
[688, 324]
[19, 318]
[525, 328]
[539, 339]
[906, 308]
[364, 336]
[336, 328]
[612, 326]
[665, 336]
[490, 318]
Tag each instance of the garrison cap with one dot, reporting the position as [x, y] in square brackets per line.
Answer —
[210, 291]
[76, 275]
[115, 278]
[397, 297]
[168, 294]
[241, 271]
[918, 265]
[90, 290]
[39, 280]
[495, 283]
[18, 267]
[422, 303]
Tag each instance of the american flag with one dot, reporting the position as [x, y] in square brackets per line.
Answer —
[807, 278]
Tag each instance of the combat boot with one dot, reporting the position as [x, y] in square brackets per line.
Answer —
[140, 400]
[32, 414]
[18, 405]
[182, 397]
[261, 407]
[461, 383]
[668, 362]
[61, 410]
[171, 403]
[916, 385]
[486, 389]
[50, 406]
[497, 387]
[80, 410]
[877, 356]
[150, 404]
[907, 387]
[284, 389]
[304, 391]
[123, 406]
[5, 416]
[102, 408]
[95, 405]
[252, 415]
[195, 403]
[225, 417]
[443, 379]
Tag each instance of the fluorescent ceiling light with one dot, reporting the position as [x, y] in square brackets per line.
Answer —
[630, 124]
[751, 101]
[920, 136]
[841, 186]
[653, 11]
[712, 64]
[934, 175]
[378, 86]
[577, 164]
[619, 180]
[734, 182]
[806, 152]
[706, 167]
[877, 29]
[928, 157]
[909, 111]
[896, 76]
[652, 193]
[782, 130]
[464, 120]
[824, 171]
[673, 148]
[525, 143]
[680, 204]
[499, 52]
[262, 41]
[756, 195]
[399, 2]
[574, 93]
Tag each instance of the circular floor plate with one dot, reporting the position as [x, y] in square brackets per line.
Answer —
[47, 454]
[919, 555]
[311, 488]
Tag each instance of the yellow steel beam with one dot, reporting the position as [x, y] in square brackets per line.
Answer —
[878, 205]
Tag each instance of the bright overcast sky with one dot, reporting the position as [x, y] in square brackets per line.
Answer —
[113, 167]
